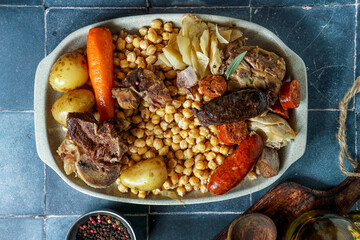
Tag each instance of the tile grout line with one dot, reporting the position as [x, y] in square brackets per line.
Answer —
[250, 11]
[147, 223]
[45, 42]
[355, 59]
[17, 111]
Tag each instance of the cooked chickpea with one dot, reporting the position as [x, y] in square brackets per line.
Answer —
[171, 74]
[136, 42]
[170, 109]
[204, 131]
[136, 119]
[167, 142]
[143, 31]
[149, 141]
[182, 92]
[120, 115]
[190, 141]
[189, 163]
[165, 36]
[168, 27]
[157, 130]
[152, 35]
[149, 126]
[214, 141]
[144, 44]
[187, 113]
[201, 147]
[129, 38]
[176, 103]
[164, 125]
[174, 178]
[224, 150]
[139, 60]
[158, 143]
[175, 146]
[203, 189]
[142, 150]
[131, 57]
[160, 112]
[139, 143]
[181, 191]
[137, 132]
[136, 157]
[168, 133]
[196, 105]
[149, 154]
[156, 24]
[131, 139]
[151, 59]
[219, 159]
[176, 138]
[188, 187]
[163, 151]
[167, 184]
[198, 173]
[183, 144]
[184, 134]
[179, 168]
[178, 117]
[199, 157]
[212, 165]
[200, 139]
[194, 181]
[188, 153]
[120, 44]
[155, 119]
[149, 132]
[124, 63]
[151, 50]
[210, 156]
[187, 104]
[194, 133]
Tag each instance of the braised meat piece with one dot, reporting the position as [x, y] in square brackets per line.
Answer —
[235, 107]
[187, 78]
[96, 176]
[259, 69]
[126, 98]
[101, 143]
[148, 86]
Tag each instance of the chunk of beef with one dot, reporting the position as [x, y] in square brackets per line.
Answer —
[148, 86]
[126, 98]
[187, 78]
[260, 69]
[235, 107]
[95, 175]
[101, 143]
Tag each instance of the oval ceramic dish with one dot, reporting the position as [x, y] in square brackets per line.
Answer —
[49, 133]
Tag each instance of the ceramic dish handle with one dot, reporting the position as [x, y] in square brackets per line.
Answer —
[41, 132]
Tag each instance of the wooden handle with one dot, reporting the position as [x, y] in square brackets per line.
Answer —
[288, 200]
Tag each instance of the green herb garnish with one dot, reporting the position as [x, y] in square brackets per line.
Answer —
[234, 64]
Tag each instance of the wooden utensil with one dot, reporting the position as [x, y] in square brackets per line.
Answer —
[254, 226]
[288, 200]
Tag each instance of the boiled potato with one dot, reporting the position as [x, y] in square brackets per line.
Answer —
[145, 175]
[79, 100]
[69, 72]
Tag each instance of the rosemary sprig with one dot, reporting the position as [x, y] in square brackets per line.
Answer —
[234, 64]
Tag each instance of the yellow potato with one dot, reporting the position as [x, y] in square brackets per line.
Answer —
[79, 100]
[69, 72]
[145, 175]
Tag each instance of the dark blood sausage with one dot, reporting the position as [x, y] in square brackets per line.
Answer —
[235, 107]
[236, 166]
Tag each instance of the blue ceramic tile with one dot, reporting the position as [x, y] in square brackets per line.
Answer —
[139, 225]
[22, 172]
[233, 205]
[192, 3]
[64, 200]
[188, 226]
[95, 3]
[21, 2]
[241, 13]
[324, 39]
[319, 167]
[22, 47]
[57, 227]
[260, 3]
[22, 228]
[61, 22]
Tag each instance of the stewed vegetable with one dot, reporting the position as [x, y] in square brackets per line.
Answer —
[69, 72]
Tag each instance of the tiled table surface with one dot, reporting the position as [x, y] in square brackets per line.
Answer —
[37, 204]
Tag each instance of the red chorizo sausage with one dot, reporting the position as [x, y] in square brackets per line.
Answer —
[236, 166]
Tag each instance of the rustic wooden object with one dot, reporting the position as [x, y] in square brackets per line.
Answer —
[254, 226]
[288, 200]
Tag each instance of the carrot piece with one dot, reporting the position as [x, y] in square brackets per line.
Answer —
[278, 109]
[213, 85]
[232, 133]
[290, 94]
[100, 60]
[236, 166]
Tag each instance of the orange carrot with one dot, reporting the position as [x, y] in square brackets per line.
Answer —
[232, 133]
[100, 60]
[290, 94]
